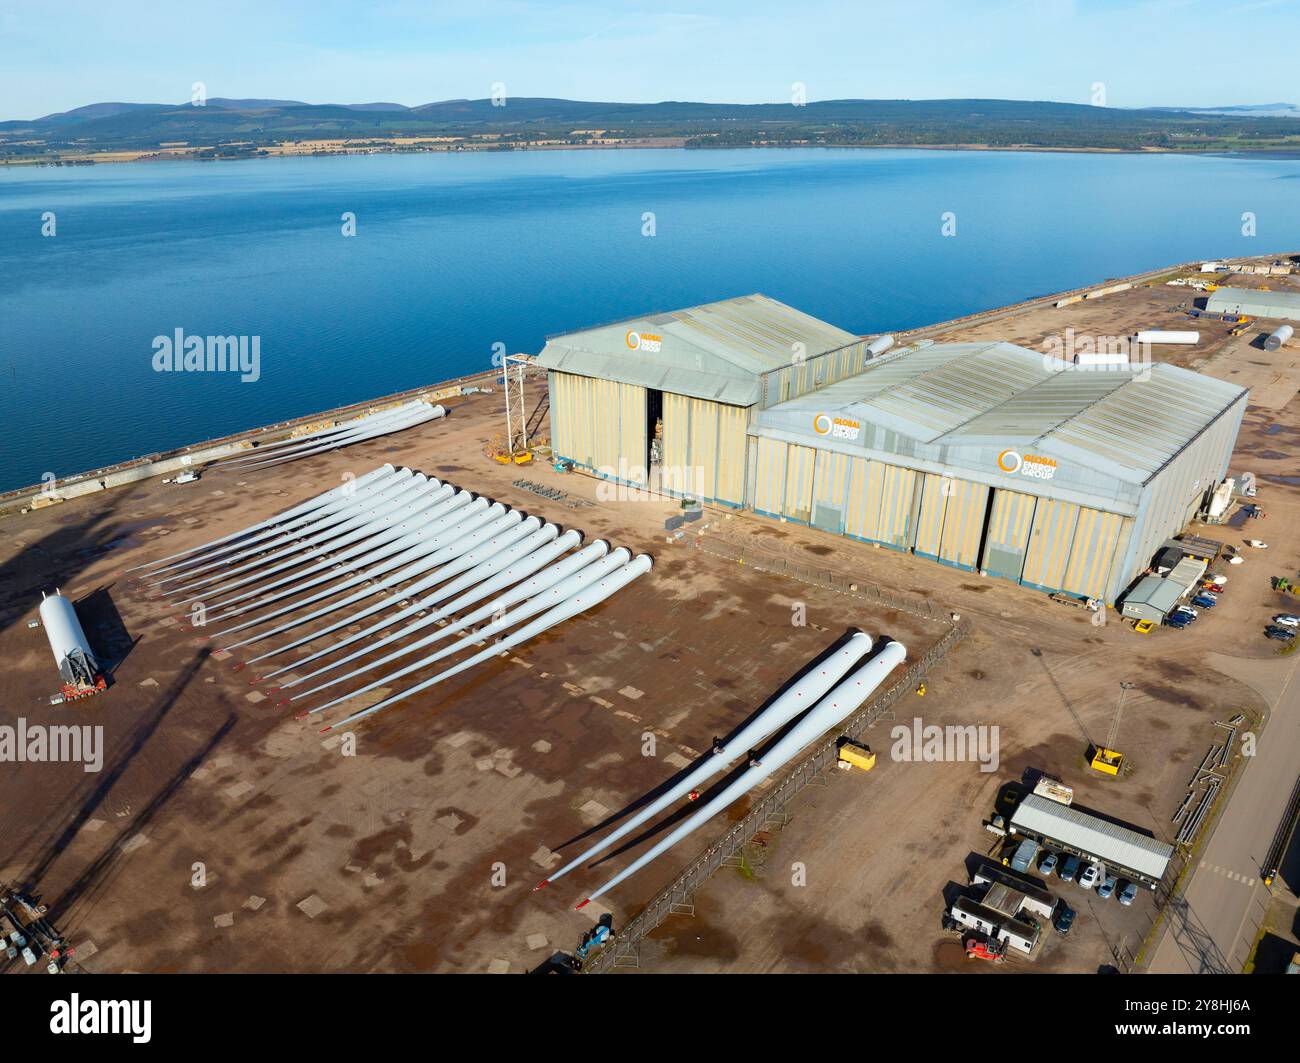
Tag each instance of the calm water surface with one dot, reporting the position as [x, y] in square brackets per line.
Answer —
[456, 253]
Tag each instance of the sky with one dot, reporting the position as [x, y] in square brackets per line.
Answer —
[60, 54]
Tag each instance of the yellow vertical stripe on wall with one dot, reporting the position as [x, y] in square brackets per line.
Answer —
[963, 522]
[1049, 543]
[769, 476]
[1009, 527]
[897, 489]
[1093, 553]
[929, 529]
[857, 515]
[799, 482]
[829, 481]
[704, 446]
[732, 422]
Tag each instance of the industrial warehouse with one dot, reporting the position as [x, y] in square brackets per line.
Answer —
[986, 457]
[1255, 302]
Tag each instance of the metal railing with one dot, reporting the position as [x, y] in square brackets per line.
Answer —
[622, 948]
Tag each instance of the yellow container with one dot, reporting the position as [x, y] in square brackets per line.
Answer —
[1107, 761]
[857, 754]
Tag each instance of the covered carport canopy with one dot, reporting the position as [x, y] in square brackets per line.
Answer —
[1122, 849]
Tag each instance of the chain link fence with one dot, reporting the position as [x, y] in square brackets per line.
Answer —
[622, 948]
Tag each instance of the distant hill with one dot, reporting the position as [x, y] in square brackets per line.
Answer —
[1247, 110]
[235, 126]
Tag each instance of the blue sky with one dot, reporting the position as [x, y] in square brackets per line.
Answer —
[58, 54]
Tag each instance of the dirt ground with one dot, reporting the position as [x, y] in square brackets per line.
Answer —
[221, 835]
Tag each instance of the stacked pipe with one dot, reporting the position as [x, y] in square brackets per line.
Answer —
[368, 426]
[402, 552]
[819, 700]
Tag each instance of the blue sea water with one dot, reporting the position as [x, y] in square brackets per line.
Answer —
[456, 253]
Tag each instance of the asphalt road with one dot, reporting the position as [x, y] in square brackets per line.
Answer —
[1212, 927]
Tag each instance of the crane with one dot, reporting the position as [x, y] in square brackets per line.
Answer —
[1107, 759]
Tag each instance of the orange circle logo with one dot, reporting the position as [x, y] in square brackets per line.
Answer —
[822, 424]
[633, 339]
[1010, 461]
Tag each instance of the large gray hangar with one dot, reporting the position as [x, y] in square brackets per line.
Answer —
[702, 371]
[984, 456]
[1255, 302]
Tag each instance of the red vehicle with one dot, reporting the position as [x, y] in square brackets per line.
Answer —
[985, 950]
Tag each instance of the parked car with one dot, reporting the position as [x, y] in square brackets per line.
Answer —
[1063, 918]
[1048, 864]
[1178, 620]
[1069, 869]
[1090, 875]
[1282, 634]
[1127, 893]
[1187, 611]
[1107, 887]
[1204, 602]
[1287, 620]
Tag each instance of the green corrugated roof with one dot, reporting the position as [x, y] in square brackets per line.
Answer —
[715, 351]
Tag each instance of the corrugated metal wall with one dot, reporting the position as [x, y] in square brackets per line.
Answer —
[1174, 490]
[830, 488]
[704, 449]
[799, 483]
[929, 527]
[812, 373]
[1049, 544]
[963, 523]
[1098, 539]
[767, 471]
[878, 505]
[599, 424]
[1010, 521]
[951, 520]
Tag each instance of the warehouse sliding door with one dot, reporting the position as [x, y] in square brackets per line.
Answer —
[704, 449]
[1010, 520]
[878, 507]
[601, 425]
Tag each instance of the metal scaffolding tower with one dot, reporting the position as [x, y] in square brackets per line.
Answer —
[512, 381]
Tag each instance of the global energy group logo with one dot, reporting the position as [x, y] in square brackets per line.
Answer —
[643, 341]
[838, 427]
[1013, 463]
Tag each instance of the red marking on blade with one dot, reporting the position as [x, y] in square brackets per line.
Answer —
[324, 729]
[542, 885]
[302, 715]
[238, 666]
[585, 902]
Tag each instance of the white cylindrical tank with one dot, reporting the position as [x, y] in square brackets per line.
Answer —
[1279, 336]
[1159, 336]
[69, 643]
[879, 346]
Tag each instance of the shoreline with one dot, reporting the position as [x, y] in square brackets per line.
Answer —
[106, 158]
